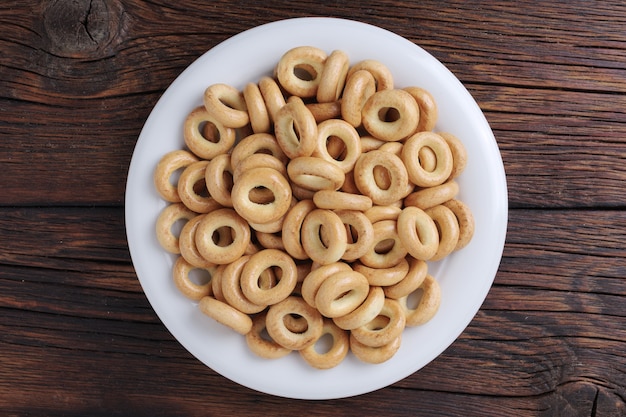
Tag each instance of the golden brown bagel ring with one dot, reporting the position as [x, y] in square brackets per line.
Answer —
[432, 196]
[272, 95]
[315, 278]
[299, 70]
[277, 330]
[384, 328]
[292, 226]
[218, 253]
[374, 355]
[384, 276]
[227, 105]
[323, 236]
[410, 155]
[466, 222]
[257, 109]
[295, 129]
[187, 244]
[459, 154]
[207, 147]
[333, 77]
[385, 231]
[418, 233]
[381, 73]
[190, 289]
[347, 135]
[360, 86]
[260, 262]
[261, 212]
[333, 355]
[260, 345]
[390, 115]
[193, 191]
[418, 270]
[366, 183]
[163, 174]
[170, 217]
[428, 112]
[427, 306]
[361, 233]
[263, 143]
[225, 314]
[448, 227]
[341, 293]
[231, 287]
[364, 313]
[315, 174]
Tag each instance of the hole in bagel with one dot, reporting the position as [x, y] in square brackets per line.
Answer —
[336, 148]
[295, 323]
[413, 300]
[384, 246]
[269, 278]
[209, 131]
[199, 276]
[324, 344]
[382, 177]
[223, 236]
[388, 114]
[261, 195]
[177, 226]
[305, 72]
[199, 188]
[379, 323]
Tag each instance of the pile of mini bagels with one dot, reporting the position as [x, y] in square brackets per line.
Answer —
[312, 201]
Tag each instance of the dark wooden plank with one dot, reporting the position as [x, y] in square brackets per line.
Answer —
[551, 77]
[549, 339]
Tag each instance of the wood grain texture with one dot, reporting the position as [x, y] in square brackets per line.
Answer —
[78, 80]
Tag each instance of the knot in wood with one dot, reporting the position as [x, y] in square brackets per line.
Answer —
[82, 28]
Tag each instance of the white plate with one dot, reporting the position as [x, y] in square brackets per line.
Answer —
[465, 277]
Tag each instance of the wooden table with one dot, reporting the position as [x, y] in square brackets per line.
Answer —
[78, 336]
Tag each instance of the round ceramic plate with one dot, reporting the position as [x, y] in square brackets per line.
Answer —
[465, 277]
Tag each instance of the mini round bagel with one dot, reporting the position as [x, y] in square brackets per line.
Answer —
[260, 262]
[360, 86]
[296, 129]
[364, 177]
[384, 328]
[226, 104]
[347, 135]
[333, 355]
[333, 77]
[448, 227]
[418, 233]
[341, 293]
[428, 303]
[410, 155]
[169, 217]
[299, 71]
[323, 236]
[261, 212]
[390, 115]
[225, 314]
[190, 289]
[222, 252]
[206, 147]
[278, 331]
[260, 345]
[366, 312]
[163, 174]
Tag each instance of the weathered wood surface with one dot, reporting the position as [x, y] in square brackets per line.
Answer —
[77, 81]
